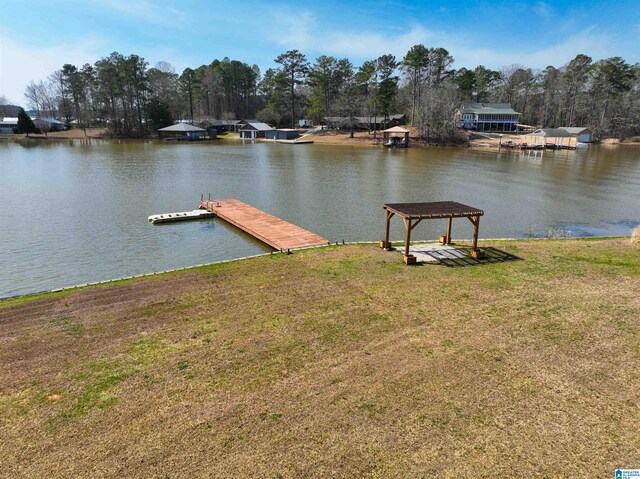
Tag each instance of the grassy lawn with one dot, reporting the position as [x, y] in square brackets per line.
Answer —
[338, 362]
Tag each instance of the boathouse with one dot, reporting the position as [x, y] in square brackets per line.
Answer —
[584, 135]
[550, 138]
[244, 122]
[487, 117]
[182, 131]
[282, 134]
[396, 137]
[253, 130]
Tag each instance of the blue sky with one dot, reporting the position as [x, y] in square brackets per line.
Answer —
[38, 37]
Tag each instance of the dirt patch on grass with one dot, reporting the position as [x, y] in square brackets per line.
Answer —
[338, 362]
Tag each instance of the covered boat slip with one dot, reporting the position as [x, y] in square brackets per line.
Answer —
[413, 213]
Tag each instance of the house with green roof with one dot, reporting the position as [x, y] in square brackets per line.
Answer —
[487, 117]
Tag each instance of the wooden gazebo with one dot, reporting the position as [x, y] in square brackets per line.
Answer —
[182, 131]
[396, 136]
[414, 213]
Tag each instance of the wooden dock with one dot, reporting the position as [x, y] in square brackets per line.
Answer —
[275, 232]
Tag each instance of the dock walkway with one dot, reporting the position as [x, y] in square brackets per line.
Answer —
[275, 232]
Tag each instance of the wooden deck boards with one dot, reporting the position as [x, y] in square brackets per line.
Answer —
[275, 232]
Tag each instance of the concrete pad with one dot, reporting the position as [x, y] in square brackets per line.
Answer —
[436, 252]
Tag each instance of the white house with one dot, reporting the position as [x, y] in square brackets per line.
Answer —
[8, 123]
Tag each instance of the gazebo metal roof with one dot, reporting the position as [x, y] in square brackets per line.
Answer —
[185, 127]
[396, 129]
[435, 209]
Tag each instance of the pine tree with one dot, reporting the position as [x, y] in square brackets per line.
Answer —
[158, 114]
[25, 124]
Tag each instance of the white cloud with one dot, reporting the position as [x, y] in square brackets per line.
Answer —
[589, 42]
[294, 30]
[542, 9]
[20, 63]
[301, 31]
[371, 45]
[365, 45]
[146, 10]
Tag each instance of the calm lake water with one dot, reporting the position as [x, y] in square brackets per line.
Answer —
[76, 211]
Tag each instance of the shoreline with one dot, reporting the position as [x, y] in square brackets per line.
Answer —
[123, 279]
[326, 137]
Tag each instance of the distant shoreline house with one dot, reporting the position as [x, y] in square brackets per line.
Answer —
[487, 117]
[9, 124]
[221, 126]
[51, 123]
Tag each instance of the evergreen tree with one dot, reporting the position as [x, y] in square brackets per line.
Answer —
[25, 124]
[158, 114]
[188, 85]
[388, 87]
[295, 68]
[414, 64]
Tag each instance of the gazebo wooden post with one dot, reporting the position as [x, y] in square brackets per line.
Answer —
[408, 258]
[407, 225]
[475, 252]
[386, 244]
[476, 227]
[449, 224]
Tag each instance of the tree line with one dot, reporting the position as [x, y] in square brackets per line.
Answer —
[124, 94]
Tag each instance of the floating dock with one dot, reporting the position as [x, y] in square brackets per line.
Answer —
[273, 231]
[180, 216]
[294, 142]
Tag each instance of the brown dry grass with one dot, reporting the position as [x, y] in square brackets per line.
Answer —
[73, 134]
[339, 137]
[364, 138]
[635, 235]
[494, 142]
[338, 362]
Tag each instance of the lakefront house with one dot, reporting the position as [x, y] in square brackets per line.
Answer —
[487, 117]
